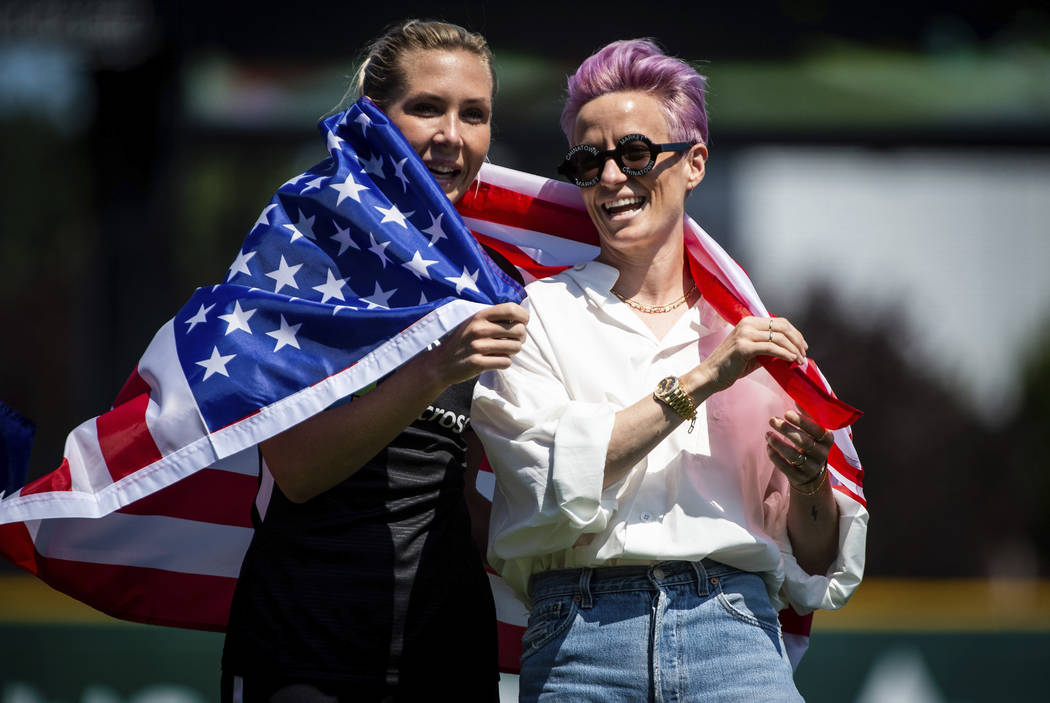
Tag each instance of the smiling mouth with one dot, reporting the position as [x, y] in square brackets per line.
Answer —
[623, 206]
[443, 173]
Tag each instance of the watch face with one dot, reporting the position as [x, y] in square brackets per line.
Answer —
[666, 385]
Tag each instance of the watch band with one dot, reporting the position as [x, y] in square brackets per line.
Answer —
[669, 391]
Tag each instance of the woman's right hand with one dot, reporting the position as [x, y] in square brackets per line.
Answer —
[737, 355]
[482, 342]
[320, 452]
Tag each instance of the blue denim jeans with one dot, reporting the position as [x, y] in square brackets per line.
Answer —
[673, 631]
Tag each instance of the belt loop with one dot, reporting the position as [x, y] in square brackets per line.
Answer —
[701, 578]
[585, 588]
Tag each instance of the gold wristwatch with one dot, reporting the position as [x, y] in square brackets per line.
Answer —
[670, 392]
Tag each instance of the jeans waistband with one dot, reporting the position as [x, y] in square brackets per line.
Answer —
[588, 582]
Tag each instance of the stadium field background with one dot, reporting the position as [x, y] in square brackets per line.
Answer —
[914, 641]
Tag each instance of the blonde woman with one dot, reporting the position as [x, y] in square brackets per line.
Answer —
[364, 564]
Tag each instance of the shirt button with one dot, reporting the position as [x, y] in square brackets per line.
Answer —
[646, 517]
[658, 573]
[578, 267]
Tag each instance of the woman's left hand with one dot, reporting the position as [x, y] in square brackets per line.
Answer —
[799, 447]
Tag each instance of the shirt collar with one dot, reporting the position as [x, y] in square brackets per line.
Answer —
[597, 279]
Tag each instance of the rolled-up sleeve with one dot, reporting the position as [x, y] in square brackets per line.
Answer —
[547, 451]
[807, 592]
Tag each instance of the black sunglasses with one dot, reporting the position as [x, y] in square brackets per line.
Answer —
[635, 154]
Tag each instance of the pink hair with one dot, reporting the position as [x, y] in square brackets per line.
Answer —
[638, 64]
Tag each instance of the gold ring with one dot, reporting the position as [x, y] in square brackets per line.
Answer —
[771, 324]
[800, 461]
[771, 336]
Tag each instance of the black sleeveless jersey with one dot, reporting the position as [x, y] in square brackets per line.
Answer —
[374, 580]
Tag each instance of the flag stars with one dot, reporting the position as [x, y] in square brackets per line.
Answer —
[418, 266]
[399, 172]
[365, 121]
[380, 298]
[216, 363]
[345, 242]
[393, 214]
[285, 335]
[379, 249]
[315, 184]
[434, 230]
[333, 141]
[201, 316]
[238, 319]
[295, 180]
[332, 288]
[264, 216]
[240, 264]
[348, 189]
[465, 280]
[304, 227]
[284, 275]
[373, 166]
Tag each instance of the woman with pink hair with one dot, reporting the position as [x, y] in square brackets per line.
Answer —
[659, 496]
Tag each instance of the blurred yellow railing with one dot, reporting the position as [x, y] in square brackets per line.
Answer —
[879, 605]
[938, 606]
[27, 599]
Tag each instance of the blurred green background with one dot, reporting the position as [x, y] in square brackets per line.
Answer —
[882, 172]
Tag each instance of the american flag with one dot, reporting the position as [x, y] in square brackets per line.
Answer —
[351, 269]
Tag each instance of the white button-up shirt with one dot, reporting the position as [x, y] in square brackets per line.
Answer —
[546, 424]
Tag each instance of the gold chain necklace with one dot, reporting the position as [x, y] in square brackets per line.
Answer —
[656, 309]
